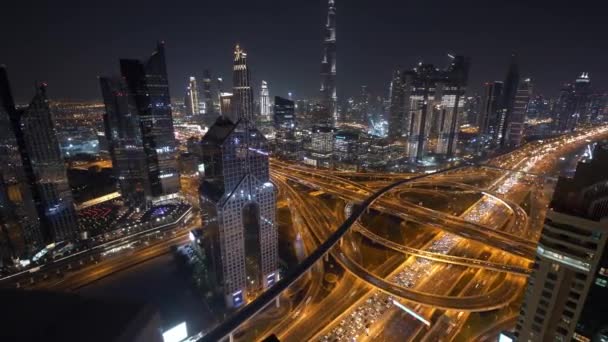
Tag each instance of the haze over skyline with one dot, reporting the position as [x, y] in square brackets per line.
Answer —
[68, 46]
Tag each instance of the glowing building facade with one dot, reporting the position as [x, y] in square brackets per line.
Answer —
[329, 97]
[238, 204]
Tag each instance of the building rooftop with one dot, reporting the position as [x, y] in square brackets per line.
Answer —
[219, 131]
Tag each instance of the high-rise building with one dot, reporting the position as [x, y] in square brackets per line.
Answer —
[346, 148]
[19, 222]
[433, 100]
[488, 117]
[566, 294]
[573, 105]
[597, 106]
[363, 105]
[563, 110]
[125, 142]
[45, 168]
[242, 93]
[208, 98]
[472, 106]
[192, 100]
[507, 101]
[284, 113]
[319, 150]
[238, 205]
[515, 128]
[538, 108]
[148, 85]
[265, 106]
[397, 120]
[329, 97]
[226, 104]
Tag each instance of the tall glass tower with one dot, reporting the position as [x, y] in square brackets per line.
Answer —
[238, 201]
[265, 108]
[238, 204]
[242, 100]
[148, 85]
[329, 97]
[46, 169]
[19, 223]
[192, 98]
[125, 141]
[505, 113]
[208, 98]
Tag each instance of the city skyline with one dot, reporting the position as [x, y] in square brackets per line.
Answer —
[301, 23]
[438, 172]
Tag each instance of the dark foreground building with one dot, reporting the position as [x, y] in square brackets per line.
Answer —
[568, 290]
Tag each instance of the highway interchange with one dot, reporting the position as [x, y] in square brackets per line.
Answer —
[459, 263]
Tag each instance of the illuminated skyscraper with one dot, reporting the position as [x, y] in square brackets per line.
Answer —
[265, 106]
[505, 111]
[329, 98]
[19, 223]
[515, 129]
[238, 205]
[284, 113]
[192, 98]
[242, 93]
[45, 168]
[566, 295]
[397, 121]
[573, 106]
[125, 142]
[433, 100]
[208, 98]
[148, 85]
[488, 117]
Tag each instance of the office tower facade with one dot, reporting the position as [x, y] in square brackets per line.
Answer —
[597, 107]
[19, 222]
[566, 294]
[46, 169]
[583, 94]
[238, 205]
[488, 116]
[472, 107]
[329, 97]
[538, 107]
[125, 143]
[284, 113]
[433, 100]
[362, 105]
[288, 143]
[242, 93]
[192, 101]
[208, 98]
[573, 105]
[397, 120]
[516, 124]
[319, 150]
[148, 85]
[563, 111]
[346, 147]
[265, 105]
[226, 104]
[507, 101]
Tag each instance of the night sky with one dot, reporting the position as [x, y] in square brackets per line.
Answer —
[69, 43]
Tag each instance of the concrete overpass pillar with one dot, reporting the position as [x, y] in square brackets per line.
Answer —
[277, 302]
[326, 257]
